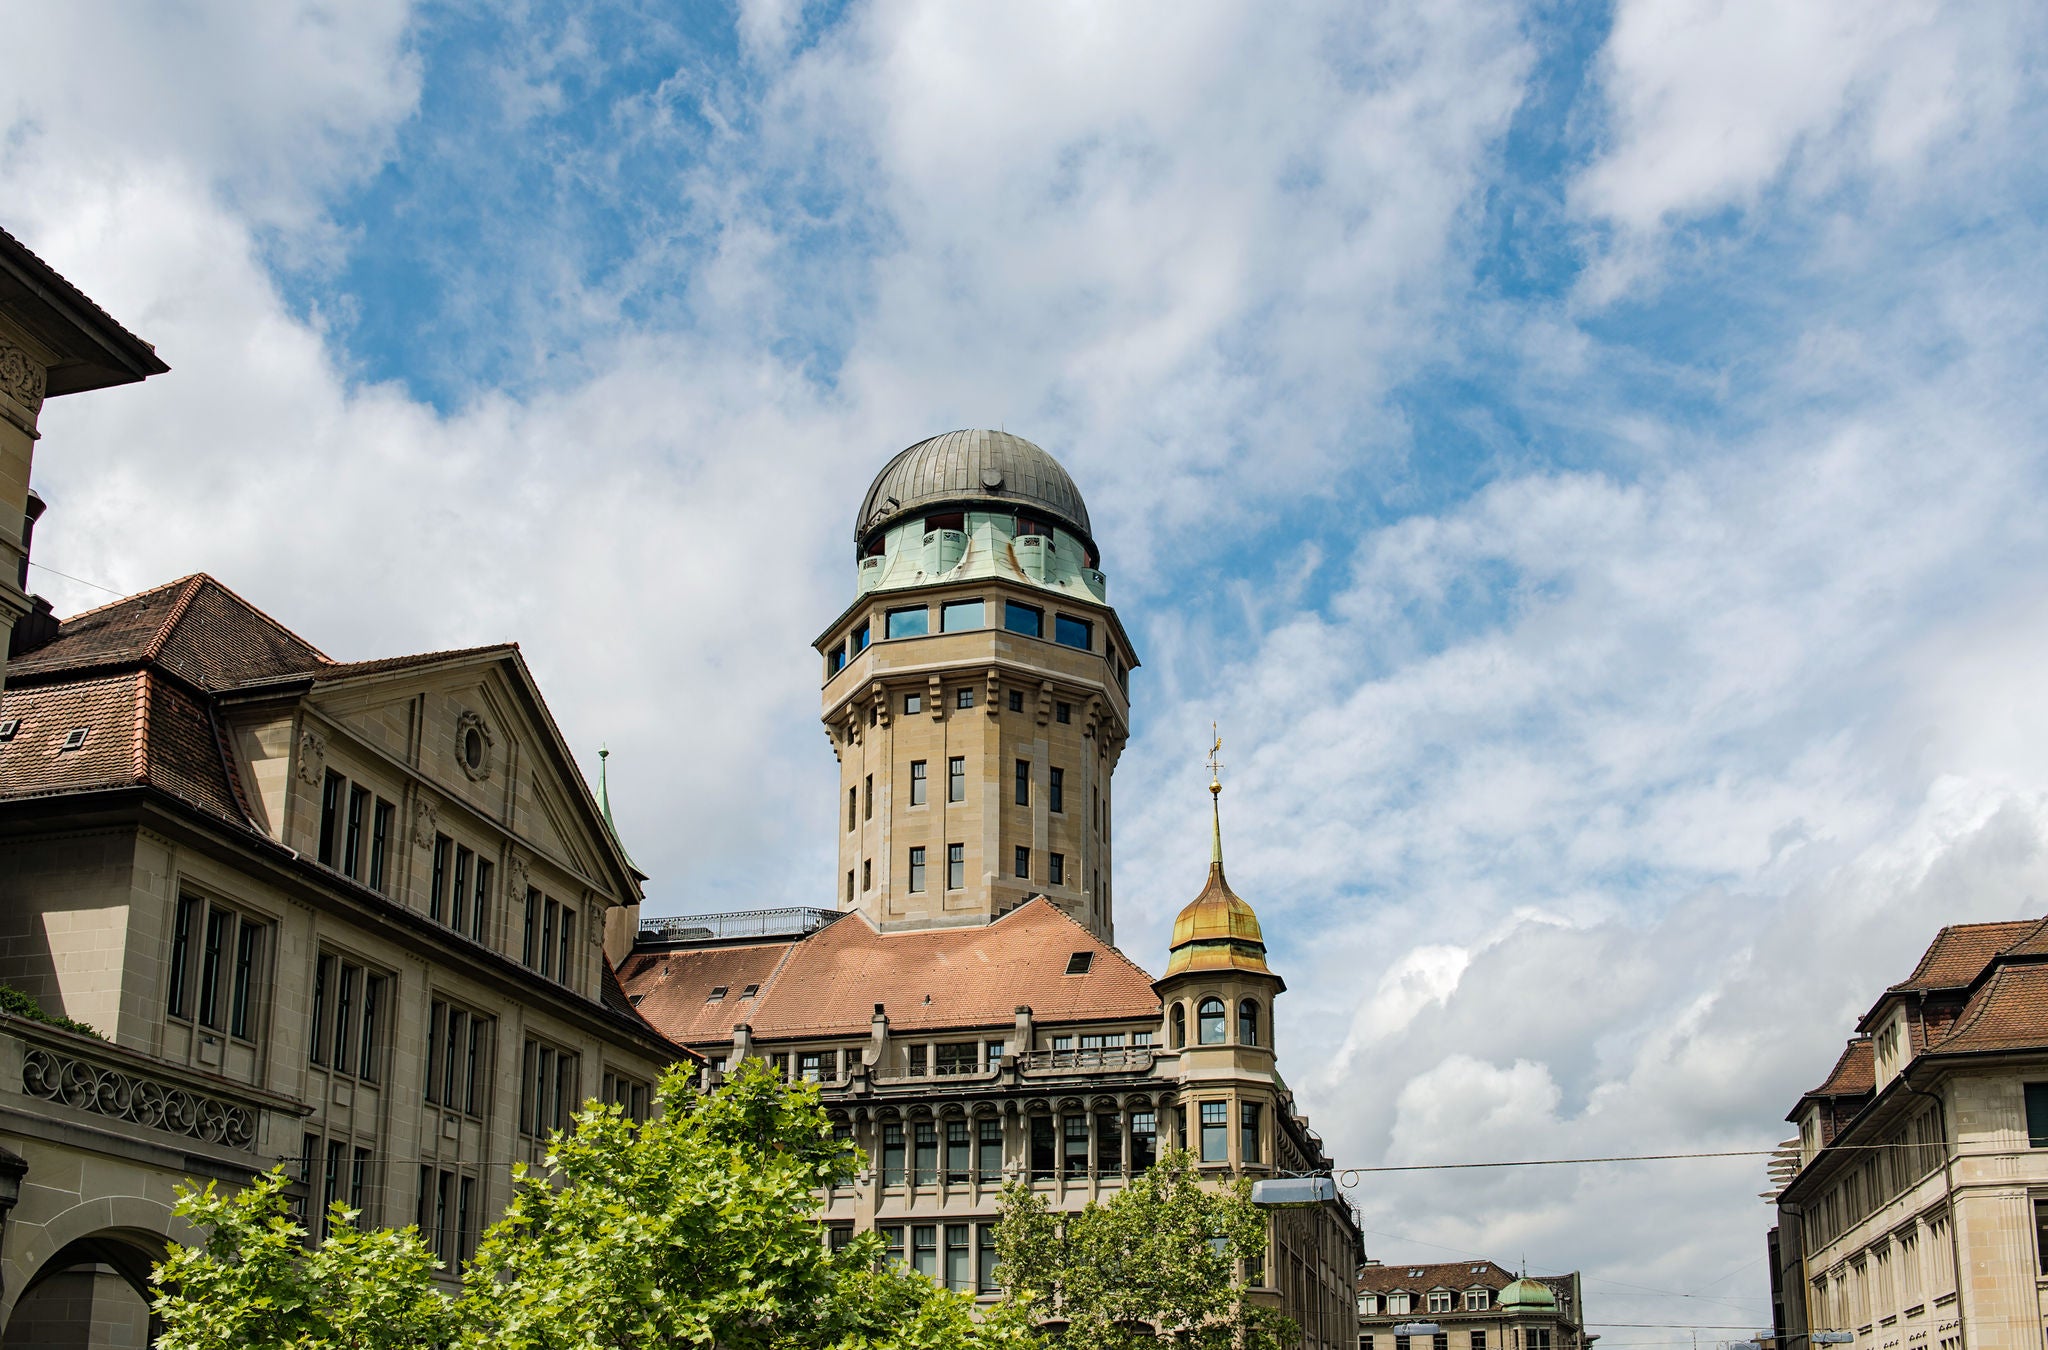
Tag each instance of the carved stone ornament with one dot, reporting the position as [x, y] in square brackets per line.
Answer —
[517, 879]
[312, 756]
[426, 822]
[21, 375]
[473, 746]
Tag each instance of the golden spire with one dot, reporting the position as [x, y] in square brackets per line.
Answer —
[1215, 798]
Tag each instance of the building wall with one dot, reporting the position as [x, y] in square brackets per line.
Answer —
[22, 362]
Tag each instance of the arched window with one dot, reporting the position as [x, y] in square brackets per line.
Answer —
[1180, 1025]
[1248, 1022]
[1209, 1021]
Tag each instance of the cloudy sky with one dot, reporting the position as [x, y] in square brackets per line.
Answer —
[1588, 460]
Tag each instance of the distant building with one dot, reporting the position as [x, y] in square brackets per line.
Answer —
[1913, 1205]
[1474, 1305]
[352, 916]
[53, 341]
[963, 1007]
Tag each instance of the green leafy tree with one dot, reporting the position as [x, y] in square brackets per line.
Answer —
[1162, 1257]
[254, 1285]
[694, 1228]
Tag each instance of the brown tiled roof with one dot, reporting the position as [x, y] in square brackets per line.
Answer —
[1960, 952]
[614, 997]
[1854, 1074]
[2009, 1011]
[194, 627]
[140, 731]
[1419, 1277]
[2033, 943]
[827, 983]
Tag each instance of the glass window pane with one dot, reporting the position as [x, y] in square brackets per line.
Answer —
[1210, 1020]
[960, 616]
[1074, 633]
[1023, 619]
[903, 623]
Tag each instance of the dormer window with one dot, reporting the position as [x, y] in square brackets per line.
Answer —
[1079, 962]
[1476, 1300]
[1397, 1303]
[1368, 1304]
[1440, 1301]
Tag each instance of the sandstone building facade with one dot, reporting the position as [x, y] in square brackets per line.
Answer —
[358, 917]
[963, 1006]
[1912, 1208]
[1474, 1305]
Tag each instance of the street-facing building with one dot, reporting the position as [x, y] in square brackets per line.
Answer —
[1913, 1205]
[1467, 1305]
[962, 1006]
[352, 917]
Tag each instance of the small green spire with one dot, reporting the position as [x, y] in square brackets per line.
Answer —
[604, 805]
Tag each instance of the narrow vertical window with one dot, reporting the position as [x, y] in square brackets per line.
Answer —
[1144, 1141]
[373, 1008]
[565, 1089]
[248, 949]
[1023, 861]
[1248, 1022]
[1023, 782]
[1074, 1136]
[330, 818]
[956, 779]
[565, 970]
[452, 1086]
[1248, 1132]
[1209, 1021]
[956, 866]
[917, 782]
[550, 914]
[210, 961]
[892, 1155]
[330, 1190]
[323, 976]
[181, 954]
[985, 1259]
[437, 897]
[867, 873]
[1056, 869]
[852, 809]
[442, 1186]
[464, 1209]
[868, 800]
[352, 850]
[849, 885]
[344, 1016]
[1056, 791]
[473, 1066]
[924, 1250]
[925, 1153]
[436, 1020]
[358, 1174]
[458, 895]
[481, 897]
[989, 1143]
[959, 1258]
[526, 948]
[917, 869]
[380, 844]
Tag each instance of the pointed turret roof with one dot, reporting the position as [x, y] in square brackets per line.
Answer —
[1217, 930]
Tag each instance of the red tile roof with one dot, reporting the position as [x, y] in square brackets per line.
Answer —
[827, 982]
[1419, 1277]
[2009, 1011]
[1960, 952]
[1854, 1074]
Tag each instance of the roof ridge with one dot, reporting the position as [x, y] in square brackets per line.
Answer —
[144, 688]
[1979, 1004]
[130, 599]
[209, 579]
[155, 649]
[769, 981]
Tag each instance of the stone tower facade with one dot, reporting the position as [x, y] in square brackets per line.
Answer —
[976, 692]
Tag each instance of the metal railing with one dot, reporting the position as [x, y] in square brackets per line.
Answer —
[740, 923]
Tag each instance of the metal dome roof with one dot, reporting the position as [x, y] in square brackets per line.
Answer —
[970, 467]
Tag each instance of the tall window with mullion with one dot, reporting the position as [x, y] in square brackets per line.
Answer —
[1075, 1153]
[458, 1058]
[1215, 1132]
[351, 818]
[216, 966]
[461, 887]
[450, 1212]
[336, 1170]
[348, 1017]
[1144, 1141]
[548, 943]
[547, 1096]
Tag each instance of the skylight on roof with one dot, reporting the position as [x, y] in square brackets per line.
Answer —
[74, 739]
[9, 729]
[1078, 963]
[750, 991]
[717, 994]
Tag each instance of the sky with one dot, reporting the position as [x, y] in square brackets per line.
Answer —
[1587, 458]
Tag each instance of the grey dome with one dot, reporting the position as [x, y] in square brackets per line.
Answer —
[971, 468]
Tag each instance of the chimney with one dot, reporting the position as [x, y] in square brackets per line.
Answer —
[878, 1039]
[742, 1043]
[1021, 1036]
[36, 507]
[39, 625]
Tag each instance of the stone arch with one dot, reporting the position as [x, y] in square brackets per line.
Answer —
[124, 1236]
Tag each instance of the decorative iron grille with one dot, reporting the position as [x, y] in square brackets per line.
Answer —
[142, 1101]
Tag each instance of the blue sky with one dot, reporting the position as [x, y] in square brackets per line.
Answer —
[1585, 457]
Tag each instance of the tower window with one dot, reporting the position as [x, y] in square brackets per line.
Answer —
[1016, 700]
[849, 885]
[860, 638]
[956, 779]
[1023, 862]
[962, 616]
[917, 868]
[1209, 1021]
[1180, 1025]
[913, 703]
[1071, 632]
[1023, 619]
[1062, 712]
[1078, 964]
[963, 698]
[867, 874]
[1056, 868]
[868, 810]
[906, 623]
[1248, 1022]
[946, 520]
[1023, 782]
[956, 867]
[852, 808]
[1248, 1152]
[1057, 791]
[1215, 1132]
[835, 661]
[917, 782]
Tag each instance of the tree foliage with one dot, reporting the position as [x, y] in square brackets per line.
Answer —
[694, 1228]
[1163, 1254]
